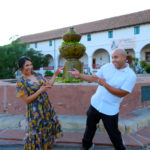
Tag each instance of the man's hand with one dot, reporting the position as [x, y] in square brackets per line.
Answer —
[95, 78]
[100, 81]
[75, 73]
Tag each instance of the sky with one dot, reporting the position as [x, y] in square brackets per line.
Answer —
[24, 17]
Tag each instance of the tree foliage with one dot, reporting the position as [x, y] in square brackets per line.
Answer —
[37, 58]
[9, 55]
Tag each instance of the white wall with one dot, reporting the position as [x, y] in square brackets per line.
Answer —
[100, 41]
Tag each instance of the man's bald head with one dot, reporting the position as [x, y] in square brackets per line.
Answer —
[119, 58]
[121, 51]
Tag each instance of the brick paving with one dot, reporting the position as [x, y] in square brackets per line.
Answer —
[140, 139]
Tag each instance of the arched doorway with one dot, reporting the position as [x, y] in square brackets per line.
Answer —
[100, 57]
[50, 64]
[145, 54]
[130, 55]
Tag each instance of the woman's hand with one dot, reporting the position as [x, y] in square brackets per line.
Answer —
[42, 89]
[58, 71]
[48, 85]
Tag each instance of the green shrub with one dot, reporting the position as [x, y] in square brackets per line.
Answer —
[60, 75]
[59, 80]
[143, 64]
[86, 73]
[135, 61]
[49, 73]
[72, 80]
[131, 65]
[147, 68]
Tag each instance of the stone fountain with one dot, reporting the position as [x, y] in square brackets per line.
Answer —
[72, 51]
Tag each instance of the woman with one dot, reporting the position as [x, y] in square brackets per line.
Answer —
[42, 124]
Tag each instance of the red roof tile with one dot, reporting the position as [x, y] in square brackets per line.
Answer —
[123, 21]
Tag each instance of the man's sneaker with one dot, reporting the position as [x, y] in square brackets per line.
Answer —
[91, 148]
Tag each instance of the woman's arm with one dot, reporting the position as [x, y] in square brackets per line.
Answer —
[28, 99]
[51, 82]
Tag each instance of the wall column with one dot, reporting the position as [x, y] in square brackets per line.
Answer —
[137, 55]
[55, 58]
[90, 61]
[56, 62]
[110, 55]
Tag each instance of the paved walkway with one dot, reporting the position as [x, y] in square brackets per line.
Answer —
[138, 140]
[12, 131]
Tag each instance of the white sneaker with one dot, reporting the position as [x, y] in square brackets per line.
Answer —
[92, 147]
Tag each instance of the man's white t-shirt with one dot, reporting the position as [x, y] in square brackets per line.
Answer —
[124, 79]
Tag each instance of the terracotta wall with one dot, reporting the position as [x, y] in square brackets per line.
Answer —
[70, 99]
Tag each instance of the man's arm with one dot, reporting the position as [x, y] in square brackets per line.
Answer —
[88, 78]
[111, 89]
[115, 91]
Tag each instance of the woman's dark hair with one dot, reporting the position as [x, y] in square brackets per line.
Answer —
[22, 61]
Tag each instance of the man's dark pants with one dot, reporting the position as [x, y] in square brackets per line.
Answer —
[110, 124]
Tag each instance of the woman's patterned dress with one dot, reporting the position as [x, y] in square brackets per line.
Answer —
[41, 120]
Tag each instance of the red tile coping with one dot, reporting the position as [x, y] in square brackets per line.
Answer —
[139, 139]
[126, 116]
[11, 142]
[1, 130]
[17, 135]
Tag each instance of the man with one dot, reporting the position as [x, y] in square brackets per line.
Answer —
[115, 80]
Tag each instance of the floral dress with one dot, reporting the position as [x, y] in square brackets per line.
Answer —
[41, 120]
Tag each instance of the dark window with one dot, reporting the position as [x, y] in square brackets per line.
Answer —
[110, 34]
[89, 37]
[50, 43]
[136, 30]
[35, 45]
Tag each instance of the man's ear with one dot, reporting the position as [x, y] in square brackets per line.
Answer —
[125, 58]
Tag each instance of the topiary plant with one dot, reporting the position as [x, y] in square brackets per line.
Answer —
[49, 73]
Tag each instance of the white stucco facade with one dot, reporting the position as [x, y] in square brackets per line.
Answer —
[100, 48]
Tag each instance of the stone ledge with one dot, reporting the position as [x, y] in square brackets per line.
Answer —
[129, 123]
[132, 122]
